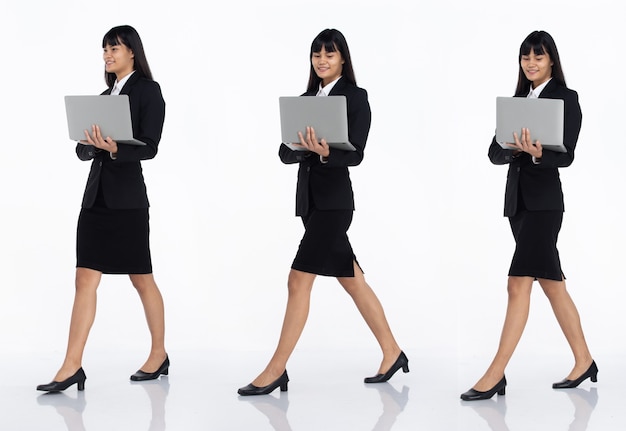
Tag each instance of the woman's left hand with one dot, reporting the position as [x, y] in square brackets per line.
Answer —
[96, 139]
[524, 143]
[311, 143]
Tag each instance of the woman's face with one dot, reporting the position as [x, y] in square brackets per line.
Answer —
[537, 67]
[118, 59]
[327, 65]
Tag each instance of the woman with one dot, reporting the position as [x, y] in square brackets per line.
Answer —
[325, 202]
[534, 206]
[113, 227]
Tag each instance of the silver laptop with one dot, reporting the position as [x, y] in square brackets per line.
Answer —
[543, 117]
[111, 113]
[327, 115]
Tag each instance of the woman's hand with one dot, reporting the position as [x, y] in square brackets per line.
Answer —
[524, 143]
[311, 143]
[96, 139]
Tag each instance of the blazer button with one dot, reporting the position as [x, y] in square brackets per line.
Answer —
[308, 168]
[101, 165]
[518, 168]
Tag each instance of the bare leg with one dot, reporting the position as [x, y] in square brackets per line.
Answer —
[83, 316]
[372, 311]
[569, 320]
[155, 315]
[299, 286]
[519, 289]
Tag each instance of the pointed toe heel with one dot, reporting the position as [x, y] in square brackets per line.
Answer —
[474, 395]
[401, 363]
[591, 373]
[280, 382]
[77, 378]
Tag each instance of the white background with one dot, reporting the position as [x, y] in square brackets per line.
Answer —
[428, 229]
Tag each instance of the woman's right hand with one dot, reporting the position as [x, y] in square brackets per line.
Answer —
[310, 142]
[525, 144]
[96, 139]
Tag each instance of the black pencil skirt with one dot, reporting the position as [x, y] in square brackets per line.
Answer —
[536, 234]
[114, 241]
[325, 248]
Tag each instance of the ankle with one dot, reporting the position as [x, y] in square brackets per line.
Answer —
[392, 352]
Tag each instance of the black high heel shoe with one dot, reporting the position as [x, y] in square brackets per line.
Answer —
[401, 362]
[79, 378]
[592, 373]
[264, 390]
[141, 376]
[474, 395]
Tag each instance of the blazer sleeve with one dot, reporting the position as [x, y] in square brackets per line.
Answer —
[289, 156]
[148, 110]
[572, 123]
[498, 155]
[359, 120]
[86, 152]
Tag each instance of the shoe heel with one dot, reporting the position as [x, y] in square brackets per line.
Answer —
[166, 372]
[594, 378]
[405, 368]
[81, 385]
[283, 387]
[502, 391]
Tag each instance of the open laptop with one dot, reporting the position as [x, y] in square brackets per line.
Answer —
[327, 115]
[543, 117]
[111, 113]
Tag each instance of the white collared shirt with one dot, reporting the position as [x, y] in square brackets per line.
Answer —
[325, 91]
[117, 87]
[535, 92]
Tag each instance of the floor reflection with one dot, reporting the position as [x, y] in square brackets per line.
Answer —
[70, 408]
[584, 403]
[275, 409]
[157, 391]
[493, 411]
[393, 402]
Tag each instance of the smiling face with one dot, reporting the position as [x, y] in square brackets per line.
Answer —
[118, 59]
[537, 67]
[327, 65]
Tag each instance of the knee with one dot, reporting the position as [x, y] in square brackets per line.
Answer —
[87, 279]
[300, 283]
[519, 286]
[142, 282]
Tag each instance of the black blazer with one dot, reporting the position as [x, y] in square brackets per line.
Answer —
[540, 184]
[121, 179]
[328, 185]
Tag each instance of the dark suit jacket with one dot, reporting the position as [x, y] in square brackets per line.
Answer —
[121, 179]
[540, 184]
[328, 185]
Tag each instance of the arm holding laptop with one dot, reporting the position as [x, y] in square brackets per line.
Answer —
[147, 113]
[572, 123]
[549, 159]
[359, 119]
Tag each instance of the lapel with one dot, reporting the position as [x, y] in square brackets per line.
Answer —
[128, 87]
[551, 88]
[338, 88]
